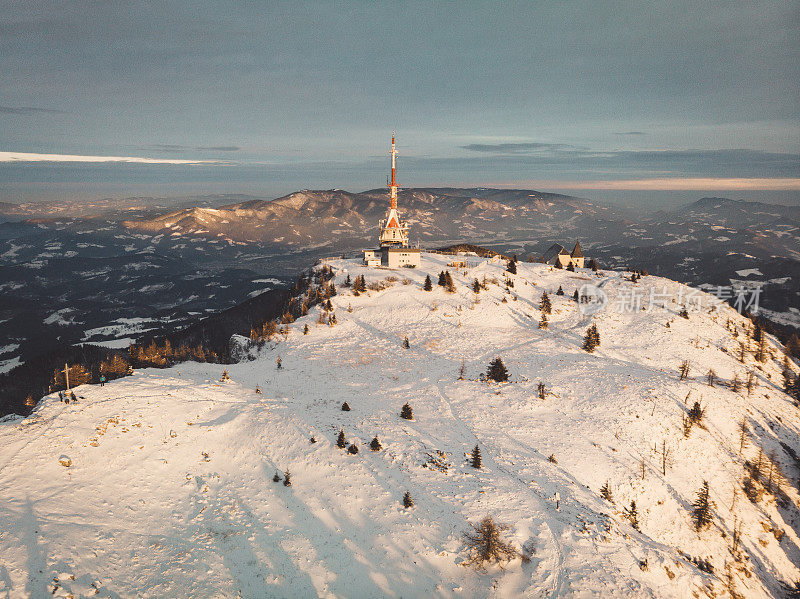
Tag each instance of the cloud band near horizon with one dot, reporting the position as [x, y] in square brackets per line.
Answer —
[35, 157]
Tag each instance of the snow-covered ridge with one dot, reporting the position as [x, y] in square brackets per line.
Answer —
[169, 490]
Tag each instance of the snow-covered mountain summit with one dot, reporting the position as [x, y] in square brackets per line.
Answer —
[169, 485]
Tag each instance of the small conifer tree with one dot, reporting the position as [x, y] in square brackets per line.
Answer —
[449, 286]
[543, 322]
[542, 390]
[406, 344]
[476, 461]
[476, 286]
[632, 515]
[225, 375]
[497, 371]
[406, 412]
[605, 492]
[276, 478]
[341, 442]
[407, 501]
[353, 449]
[571, 267]
[375, 444]
[589, 341]
[345, 407]
[347, 281]
[287, 479]
[696, 413]
[560, 291]
[511, 267]
[428, 285]
[575, 295]
[701, 508]
[442, 279]
[544, 305]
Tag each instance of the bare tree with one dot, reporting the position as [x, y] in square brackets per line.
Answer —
[742, 434]
[485, 544]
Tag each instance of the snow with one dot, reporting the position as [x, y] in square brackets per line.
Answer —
[748, 272]
[170, 493]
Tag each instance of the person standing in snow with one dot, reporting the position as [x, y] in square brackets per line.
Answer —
[102, 380]
[279, 364]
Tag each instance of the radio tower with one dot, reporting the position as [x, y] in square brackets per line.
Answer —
[393, 187]
[394, 232]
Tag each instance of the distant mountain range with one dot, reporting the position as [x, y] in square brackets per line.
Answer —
[343, 219]
[107, 270]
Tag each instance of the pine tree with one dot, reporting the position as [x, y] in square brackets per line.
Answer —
[225, 375]
[544, 305]
[347, 281]
[341, 442]
[406, 344]
[442, 279]
[287, 479]
[542, 390]
[406, 412]
[575, 295]
[353, 449]
[476, 286]
[571, 267]
[589, 341]
[560, 291]
[407, 501]
[276, 478]
[593, 265]
[511, 267]
[701, 512]
[497, 371]
[543, 322]
[375, 444]
[684, 313]
[605, 492]
[449, 286]
[476, 461]
[345, 407]
[696, 413]
[428, 285]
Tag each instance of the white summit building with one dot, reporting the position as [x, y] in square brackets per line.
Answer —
[394, 250]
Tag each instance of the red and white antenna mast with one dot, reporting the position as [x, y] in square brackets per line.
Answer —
[393, 187]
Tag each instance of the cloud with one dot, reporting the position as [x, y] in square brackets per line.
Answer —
[181, 148]
[514, 148]
[32, 157]
[28, 110]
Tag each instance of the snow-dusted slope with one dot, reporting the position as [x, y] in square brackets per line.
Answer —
[170, 490]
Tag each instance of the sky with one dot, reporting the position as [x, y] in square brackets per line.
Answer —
[643, 103]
